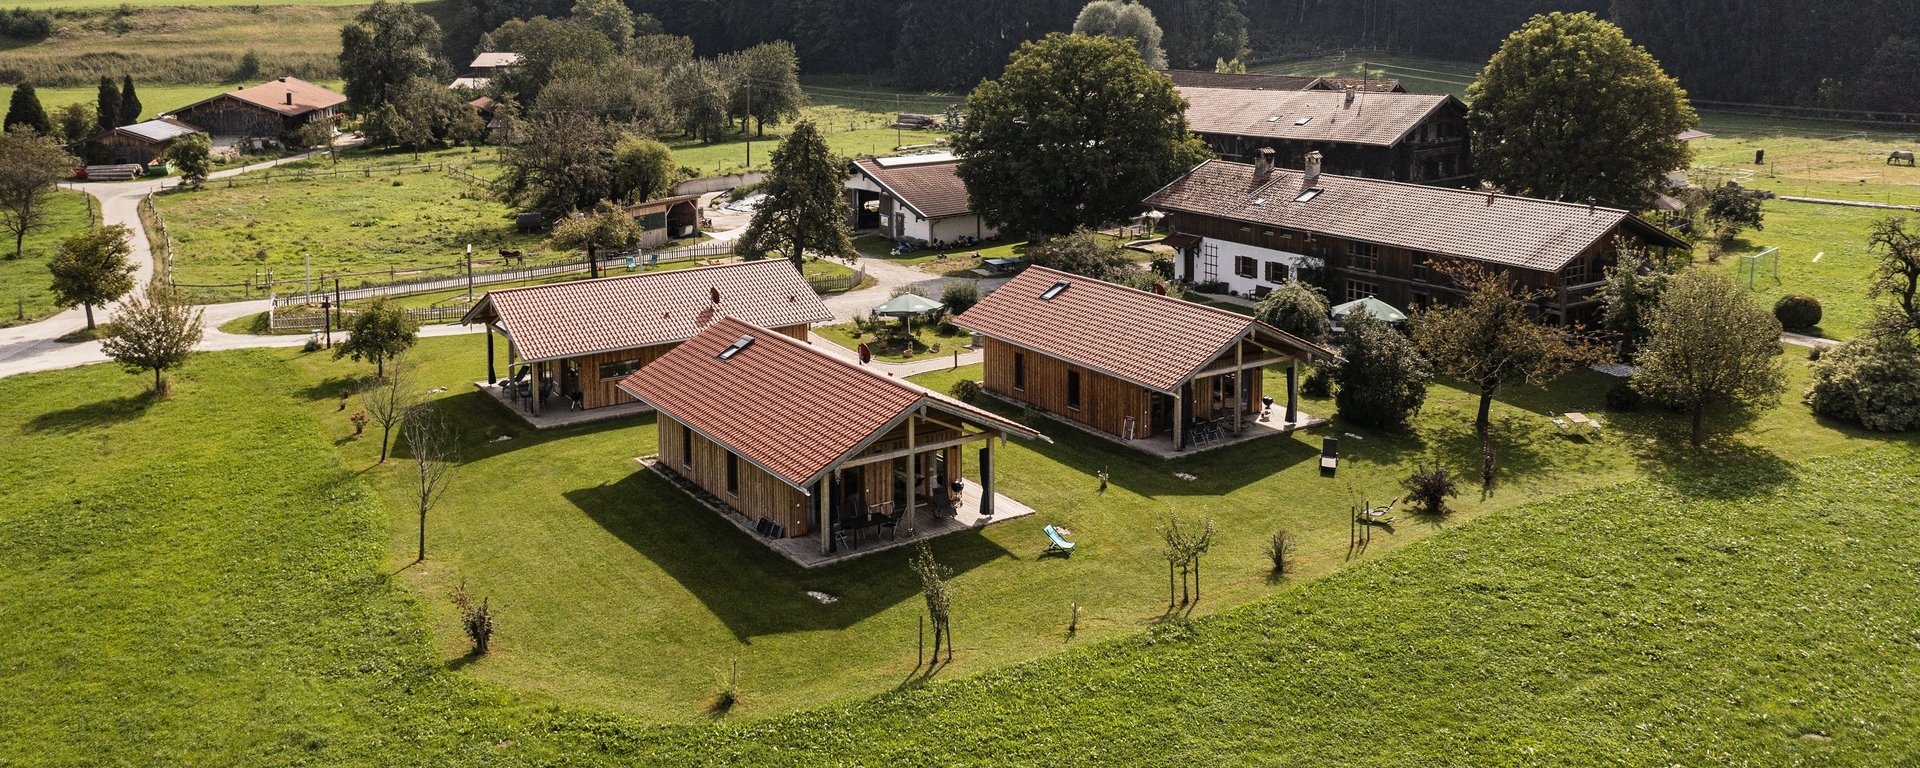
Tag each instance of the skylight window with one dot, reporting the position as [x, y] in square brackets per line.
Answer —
[1273, 118]
[735, 347]
[1259, 201]
[1056, 290]
[1304, 120]
[1308, 195]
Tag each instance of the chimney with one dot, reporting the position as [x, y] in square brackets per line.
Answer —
[715, 293]
[289, 97]
[1313, 167]
[1262, 164]
[1349, 101]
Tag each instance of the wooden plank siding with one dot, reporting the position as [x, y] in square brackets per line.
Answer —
[760, 493]
[596, 392]
[1105, 401]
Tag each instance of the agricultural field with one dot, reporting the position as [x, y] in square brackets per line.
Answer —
[24, 293]
[177, 45]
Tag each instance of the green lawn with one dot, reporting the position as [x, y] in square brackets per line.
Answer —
[24, 282]
[178, 44]
[925, 335]
[951, 261]
[850, 131]
[1419, 75]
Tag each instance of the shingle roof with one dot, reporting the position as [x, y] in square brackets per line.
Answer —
[1376, 119]
[561, 320]
[493, 59]
[1145, 338]
[931, 188]
[1511, 231]
[788, 408]
[158, 130]
[272, 94]
[1190, 78]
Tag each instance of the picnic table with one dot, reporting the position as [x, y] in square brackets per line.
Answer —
[1000, 266]
[1580, 421]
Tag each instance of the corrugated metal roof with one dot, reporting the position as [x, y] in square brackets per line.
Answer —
[1151, 340]
[932, 188]
[1500, 229]
[493, 59]
[561, 320]
[791, 410]
[160, 129]
[1374, 119]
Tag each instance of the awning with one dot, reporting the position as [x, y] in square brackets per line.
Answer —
[1180, 240]
[1373, 306]
[908, 305]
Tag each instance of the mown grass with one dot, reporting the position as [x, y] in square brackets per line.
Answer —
[178, 44]
[926, 334]
[850, 131]
[25, 294]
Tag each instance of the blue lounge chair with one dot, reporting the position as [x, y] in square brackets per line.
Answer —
[1058, 544]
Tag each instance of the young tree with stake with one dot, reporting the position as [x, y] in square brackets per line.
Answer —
[387, 400]
[432, 441]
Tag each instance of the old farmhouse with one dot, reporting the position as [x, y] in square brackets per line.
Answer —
[800, 442]
[265, 111]
[140, 143]
[1129, 363]
[569, 344]
[1395, 136]
[1191, 78]
[1248, 228]
[916, 198]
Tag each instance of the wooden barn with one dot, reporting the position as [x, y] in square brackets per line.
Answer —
[1249, 228]
[140, 143]
[666, 219]
[264, 111]
[1129, 363]
[573, 342]
[806, 443]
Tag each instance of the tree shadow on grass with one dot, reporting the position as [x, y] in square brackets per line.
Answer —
[1722, 469]
[94, 415]
[333, 387]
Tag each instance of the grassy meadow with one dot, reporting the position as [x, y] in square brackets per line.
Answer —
[178, 44]
[25, 295]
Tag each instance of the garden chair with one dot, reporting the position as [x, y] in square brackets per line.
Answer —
[1057, 543]
[1559, 423]
[1329, 455]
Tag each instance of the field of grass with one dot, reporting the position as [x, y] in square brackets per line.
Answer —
[24, 293]
[1419, 75]
[178, 44]
[850, 132]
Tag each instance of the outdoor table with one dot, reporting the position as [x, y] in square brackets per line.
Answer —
[1001, 265]
[1578, 419]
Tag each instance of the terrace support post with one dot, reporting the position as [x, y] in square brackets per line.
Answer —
[826, 512]
[1293, 391]
[534, 371]
[913, 471]
[1239, 382]
[491, 378]
[1179, 419]
[989, 466]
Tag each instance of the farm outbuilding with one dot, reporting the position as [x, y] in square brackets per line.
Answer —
[915, 198]
[138, 144]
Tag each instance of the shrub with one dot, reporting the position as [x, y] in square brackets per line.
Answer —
[1318, 384]
[1280, 551]
[965, 390]
[960, 295]
[1873, 381]
[1430, 489]
[1382, 377]
[1297, 308]
[25, 25]
[1215, 287]
[1162, 265]
[604, 228]
[476, 619]
[1622, 397]
[1797, 312]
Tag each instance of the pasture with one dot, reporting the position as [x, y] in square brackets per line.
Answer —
[24, 292]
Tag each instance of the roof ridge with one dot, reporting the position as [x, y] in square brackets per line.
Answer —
[661, 273]
[908, 386]
[1431, 188]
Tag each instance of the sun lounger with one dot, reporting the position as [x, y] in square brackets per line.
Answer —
[1057, 544]
[1329, 455]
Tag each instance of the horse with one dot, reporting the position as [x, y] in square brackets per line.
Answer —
[1900, 155]
[513, 256]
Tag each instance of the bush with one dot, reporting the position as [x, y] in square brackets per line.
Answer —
[605, 228]
[1280, 551]
[476, 619]
[1873, 381]
[22, 24]
[1383, 379]
[1318, 384]
[1797, 312]
[1623, 397]
[1297, 308]
[1430, 489]
[1215, 287]
[960, 295]
[965, 390]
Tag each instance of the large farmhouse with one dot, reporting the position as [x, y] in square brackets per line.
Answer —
[1250, 228]
[1128, 363]
[575, 341]
[264, 111]
[916, 198]
[1190, 78]
[803, 442]
[1394, 136]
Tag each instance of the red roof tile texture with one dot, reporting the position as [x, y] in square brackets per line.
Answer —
[273, 95]
[933, 189]
[1373, 119]
[1145, 338]
[788, 408]
[561, 320]
[1508, 231]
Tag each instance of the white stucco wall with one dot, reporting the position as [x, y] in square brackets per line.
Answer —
[1225, 254]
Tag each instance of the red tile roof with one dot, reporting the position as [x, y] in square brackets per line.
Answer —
[788, 408]
[1506, 230]
[932, 189]
[561, 320]
[1145, 338]
[273, 94]
[1373, 119]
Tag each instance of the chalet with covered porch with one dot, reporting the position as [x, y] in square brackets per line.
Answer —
[1409, 137]
[1249, 228]
[1132, 364]
[141, 143]
[916, 198]
[800, 443]
[570, 344]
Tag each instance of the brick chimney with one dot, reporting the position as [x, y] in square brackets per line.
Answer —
[1313, 167]
[289, 97]
[1262, 164]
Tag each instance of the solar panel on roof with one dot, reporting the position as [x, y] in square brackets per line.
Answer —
[905, 160]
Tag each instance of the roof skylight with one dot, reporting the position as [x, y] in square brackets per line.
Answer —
[735, 347]
[1056, 290]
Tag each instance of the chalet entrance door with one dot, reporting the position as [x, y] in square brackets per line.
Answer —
[1161, 416]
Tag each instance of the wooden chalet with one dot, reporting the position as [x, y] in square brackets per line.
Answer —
[569, 344]
[1129, 363]
[140, 143]
[265, 111]
[1249, 228]
[1394, 136]
[807, 443]
[666, 219]
[916, 198]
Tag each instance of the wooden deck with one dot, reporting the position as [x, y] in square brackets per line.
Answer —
[559, 417]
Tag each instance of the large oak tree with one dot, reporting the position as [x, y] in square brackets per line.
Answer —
[384, 48]
[1075, 133]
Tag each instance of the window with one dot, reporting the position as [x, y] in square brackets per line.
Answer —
[1059, 286]
[734, 348]
[619, 370]
[733, 474]
[1363, 256]
[1019, 371]
[1073, 390]
[1575, 273]
[1360, 289]
[1419, 271]
[686, 446]
[1246, 266]
[1276, 271]
[1307, 195]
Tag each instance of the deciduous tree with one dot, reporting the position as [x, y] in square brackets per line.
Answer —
[1570, 109]
[388, 399]
[769, 85]
[1633, 286]
[384, 48]
[193, 156]
[805, 207]
[434, 444]
[643, 168]
[1074, 133]
[1124, 20]
[1710, 345]
[1080, 252]
[1488, 340]
[1896, 276]
[1381, 377]
[76, 121]
[30, 165]
[611, 18]
[379, 333]
[153, 331]
[92, 268]
[1732, 208]
[24, 111]
[1298, 308]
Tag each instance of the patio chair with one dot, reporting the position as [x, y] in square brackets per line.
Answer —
[1329, 455]
[1559, 423]
[1056, 543]
[943, 503]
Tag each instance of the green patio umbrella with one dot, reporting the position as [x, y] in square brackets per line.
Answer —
[908, 306]
[1375, 307]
